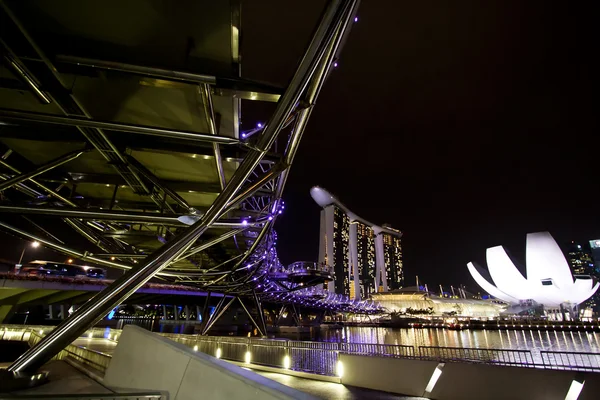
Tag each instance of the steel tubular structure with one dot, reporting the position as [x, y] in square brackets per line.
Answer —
[236, 250]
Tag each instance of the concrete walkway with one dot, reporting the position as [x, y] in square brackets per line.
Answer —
[66, 379]
[330, 390]
[323, 390]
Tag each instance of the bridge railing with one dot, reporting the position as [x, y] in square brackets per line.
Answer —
[571, 360]
[318, 357]
[21, 332]
[92, 358]
[506, 357]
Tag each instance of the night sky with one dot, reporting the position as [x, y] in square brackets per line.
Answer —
[464, 124]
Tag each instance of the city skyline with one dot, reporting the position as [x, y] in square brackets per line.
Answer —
[444, 153]
[366, 258]
[469, 126]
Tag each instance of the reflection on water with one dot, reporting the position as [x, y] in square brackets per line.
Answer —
[493, 339]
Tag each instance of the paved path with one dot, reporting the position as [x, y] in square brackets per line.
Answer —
[64, 378]
[323, 390]
[64, 374]
[330, 390]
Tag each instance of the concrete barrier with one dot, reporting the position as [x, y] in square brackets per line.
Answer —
[462, 380]
[480, 381]
[395, 375]
[144, 360]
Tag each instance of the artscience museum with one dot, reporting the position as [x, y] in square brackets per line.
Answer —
[548, 283]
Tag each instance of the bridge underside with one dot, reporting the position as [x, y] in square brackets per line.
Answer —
[111, 137]
[121, 143]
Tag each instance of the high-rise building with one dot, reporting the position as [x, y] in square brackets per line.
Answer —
[366, 258]
[595, 253]
[392, 249]
[580, 259]
[594, 271]
[362, 258]
[333, 249]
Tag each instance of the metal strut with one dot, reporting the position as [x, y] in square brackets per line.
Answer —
[219, 315]
[261, 314]
[132, 280]
[41, 169]
[260, 329]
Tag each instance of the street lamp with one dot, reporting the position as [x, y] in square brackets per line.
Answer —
[34, 245]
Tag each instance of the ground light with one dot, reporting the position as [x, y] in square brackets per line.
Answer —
[90, 335]
[218, 355]
[574, 390]
[434, 378]
[287, 362]
[247, 357]
[340, 369]
[196, 348]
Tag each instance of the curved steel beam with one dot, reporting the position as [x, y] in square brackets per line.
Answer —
[127, 284]
[80, 122]
[41, 169]
[122, 216]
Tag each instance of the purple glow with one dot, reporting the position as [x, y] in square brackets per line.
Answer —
[270, 218]
[280, 211]
[355, 19]
[335, 64]
[243, 135]
[260, 125]
[244, 222]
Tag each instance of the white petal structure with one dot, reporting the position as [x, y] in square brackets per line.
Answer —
[549, 280]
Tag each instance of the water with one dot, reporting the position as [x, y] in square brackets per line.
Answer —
[533, 340]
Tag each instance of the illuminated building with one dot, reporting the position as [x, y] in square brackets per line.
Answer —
[580, 259]
[366, 258]
[362, 260]
[595, 252]
[593, 260]
[333, 249]
[392, 253]
[416, 299]
[549, 279]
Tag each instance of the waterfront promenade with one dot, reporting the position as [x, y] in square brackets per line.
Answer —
[94, 351]
[292, 362]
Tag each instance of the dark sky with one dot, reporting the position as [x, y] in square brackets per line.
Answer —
[464, 124]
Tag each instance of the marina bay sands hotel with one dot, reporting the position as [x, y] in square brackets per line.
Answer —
[366, 258]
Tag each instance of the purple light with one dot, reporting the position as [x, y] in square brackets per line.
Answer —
[243, 135]
[244, 222]
[335, 64]
[260, 125]
[280, 211]
[270, 218]
[355, 19]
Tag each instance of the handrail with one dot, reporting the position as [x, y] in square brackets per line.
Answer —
[572, 360]
[321, 357]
